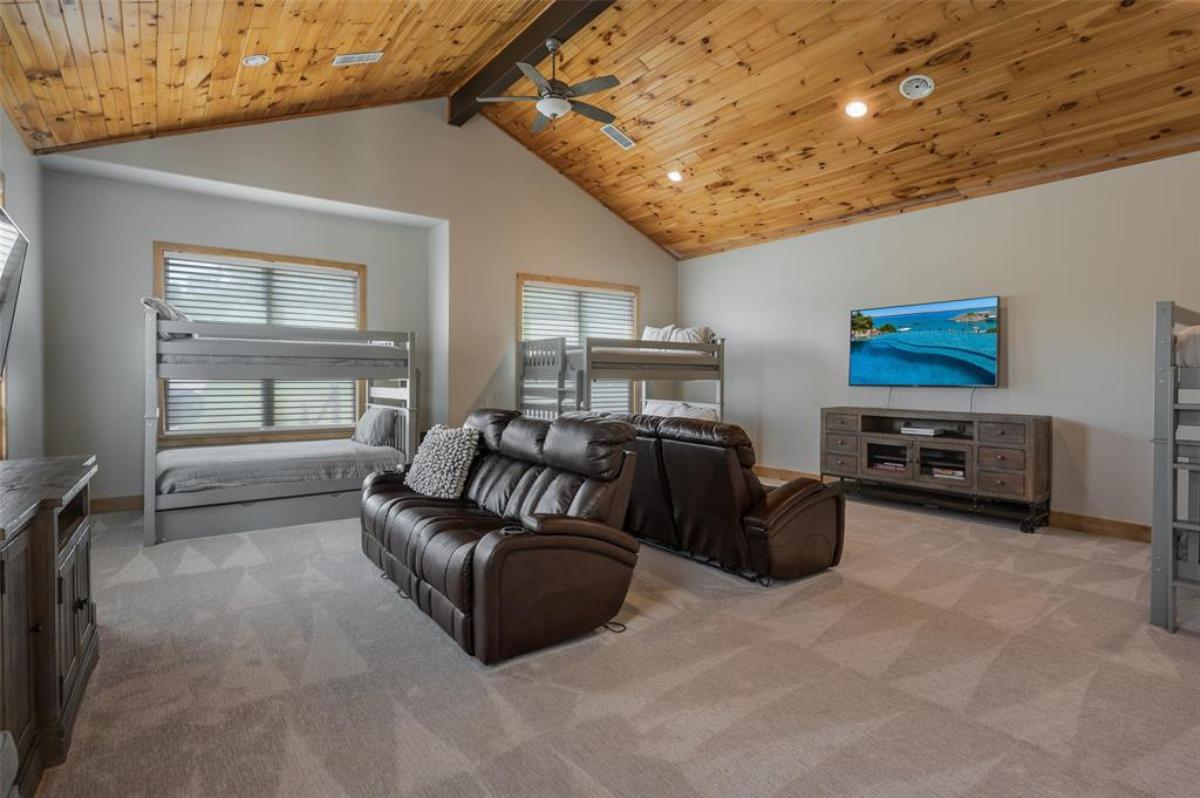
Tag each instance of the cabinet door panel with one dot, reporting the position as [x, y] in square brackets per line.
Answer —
[85, 621]
[68, 635]
[16, 637]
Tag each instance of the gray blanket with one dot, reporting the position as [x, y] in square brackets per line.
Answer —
[214, 467]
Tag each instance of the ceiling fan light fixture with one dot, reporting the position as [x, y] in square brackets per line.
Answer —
[553, 107]
[255, 60]
[856, 109]
[674, 176]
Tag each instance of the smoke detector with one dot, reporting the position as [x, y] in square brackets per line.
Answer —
[916, 87]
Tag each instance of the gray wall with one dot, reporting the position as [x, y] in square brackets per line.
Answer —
[23, 200]
[1079, 263]
[99, 264]
[508, 212]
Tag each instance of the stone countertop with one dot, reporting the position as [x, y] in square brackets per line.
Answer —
[26, 485]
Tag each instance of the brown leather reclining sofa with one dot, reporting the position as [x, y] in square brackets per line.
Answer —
[533, 553]
[696, 492]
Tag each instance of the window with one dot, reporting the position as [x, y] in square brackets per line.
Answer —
[230, 286]
[552, 307]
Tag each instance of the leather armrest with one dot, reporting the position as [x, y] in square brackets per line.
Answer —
[378, 481]
[546, 524]
[777, 503]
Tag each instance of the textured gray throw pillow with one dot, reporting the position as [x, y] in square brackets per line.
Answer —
[443, 461]
[376, 427]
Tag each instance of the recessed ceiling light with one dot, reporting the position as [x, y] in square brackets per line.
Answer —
[674, 176]
[256, 60]
[856, 109]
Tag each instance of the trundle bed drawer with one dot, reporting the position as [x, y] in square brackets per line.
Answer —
[841, 464]
[843, 444]
[1009, 483]
[1005, 459]
[841, 421]
[1001, 433]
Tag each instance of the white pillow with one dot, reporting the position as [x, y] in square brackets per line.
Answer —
[443, 461]
[657, 333]
[685, 410]
[691, 335]
[659, 407]
[1187, 347]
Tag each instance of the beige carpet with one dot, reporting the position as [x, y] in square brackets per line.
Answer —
[945, 658]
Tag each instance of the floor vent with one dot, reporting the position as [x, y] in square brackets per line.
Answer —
[349, 59]
[614, 133]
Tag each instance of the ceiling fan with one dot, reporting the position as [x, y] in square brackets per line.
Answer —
[556, 98]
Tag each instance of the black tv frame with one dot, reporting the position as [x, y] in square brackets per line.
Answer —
[1001, 345]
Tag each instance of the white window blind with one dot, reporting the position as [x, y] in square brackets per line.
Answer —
[576, 313]
[235, 290]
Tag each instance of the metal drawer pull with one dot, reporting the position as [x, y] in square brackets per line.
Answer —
[999, 457]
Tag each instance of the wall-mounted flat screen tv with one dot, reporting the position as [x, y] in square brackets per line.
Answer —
[951, 344]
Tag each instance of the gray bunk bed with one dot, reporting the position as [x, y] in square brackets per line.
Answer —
[554, 377]
[1175, 535]
[205, 490]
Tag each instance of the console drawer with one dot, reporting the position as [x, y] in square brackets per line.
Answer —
[1005, 459]
[1001, 433]
[841, 464]
[841, 421]
[844, 444]
[1009, 483]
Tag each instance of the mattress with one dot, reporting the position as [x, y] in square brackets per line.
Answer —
[663, 359]
[199, 468]
[1187, 347]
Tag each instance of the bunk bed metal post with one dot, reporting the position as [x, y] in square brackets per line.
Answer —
[150, 428]
[583, 399]
[721, 379]
[1162, 540]
[560, 382]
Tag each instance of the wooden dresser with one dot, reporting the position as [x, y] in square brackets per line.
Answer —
[48, 638]
[985, 462]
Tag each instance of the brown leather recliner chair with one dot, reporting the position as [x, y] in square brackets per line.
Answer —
[533, 553]
[696, 492]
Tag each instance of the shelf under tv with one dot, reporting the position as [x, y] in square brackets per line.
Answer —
[1004, 459]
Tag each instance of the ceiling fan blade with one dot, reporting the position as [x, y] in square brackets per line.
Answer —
[534, 76]
[539, 123]
[506, 99]
[592, 112]
[594, 85]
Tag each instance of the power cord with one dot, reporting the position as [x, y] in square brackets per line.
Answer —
[973, 390]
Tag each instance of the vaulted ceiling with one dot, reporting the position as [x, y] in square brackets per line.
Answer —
[93, 71]
[743, 98]
[746, 99]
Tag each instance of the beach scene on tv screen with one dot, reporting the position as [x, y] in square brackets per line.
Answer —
[937, 343]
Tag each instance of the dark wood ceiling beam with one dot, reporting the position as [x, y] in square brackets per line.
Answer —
[561, 20]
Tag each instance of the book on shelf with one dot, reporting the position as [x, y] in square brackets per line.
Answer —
[890, 466]
[949, 473]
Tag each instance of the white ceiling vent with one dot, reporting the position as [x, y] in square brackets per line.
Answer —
[623, 141]
[350, 59]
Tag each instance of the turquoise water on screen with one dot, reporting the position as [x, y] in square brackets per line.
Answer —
[927, 348]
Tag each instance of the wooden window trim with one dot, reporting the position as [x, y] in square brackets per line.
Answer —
[165, 441]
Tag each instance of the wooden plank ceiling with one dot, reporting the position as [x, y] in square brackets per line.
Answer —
[93, 71]
[745, 99]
